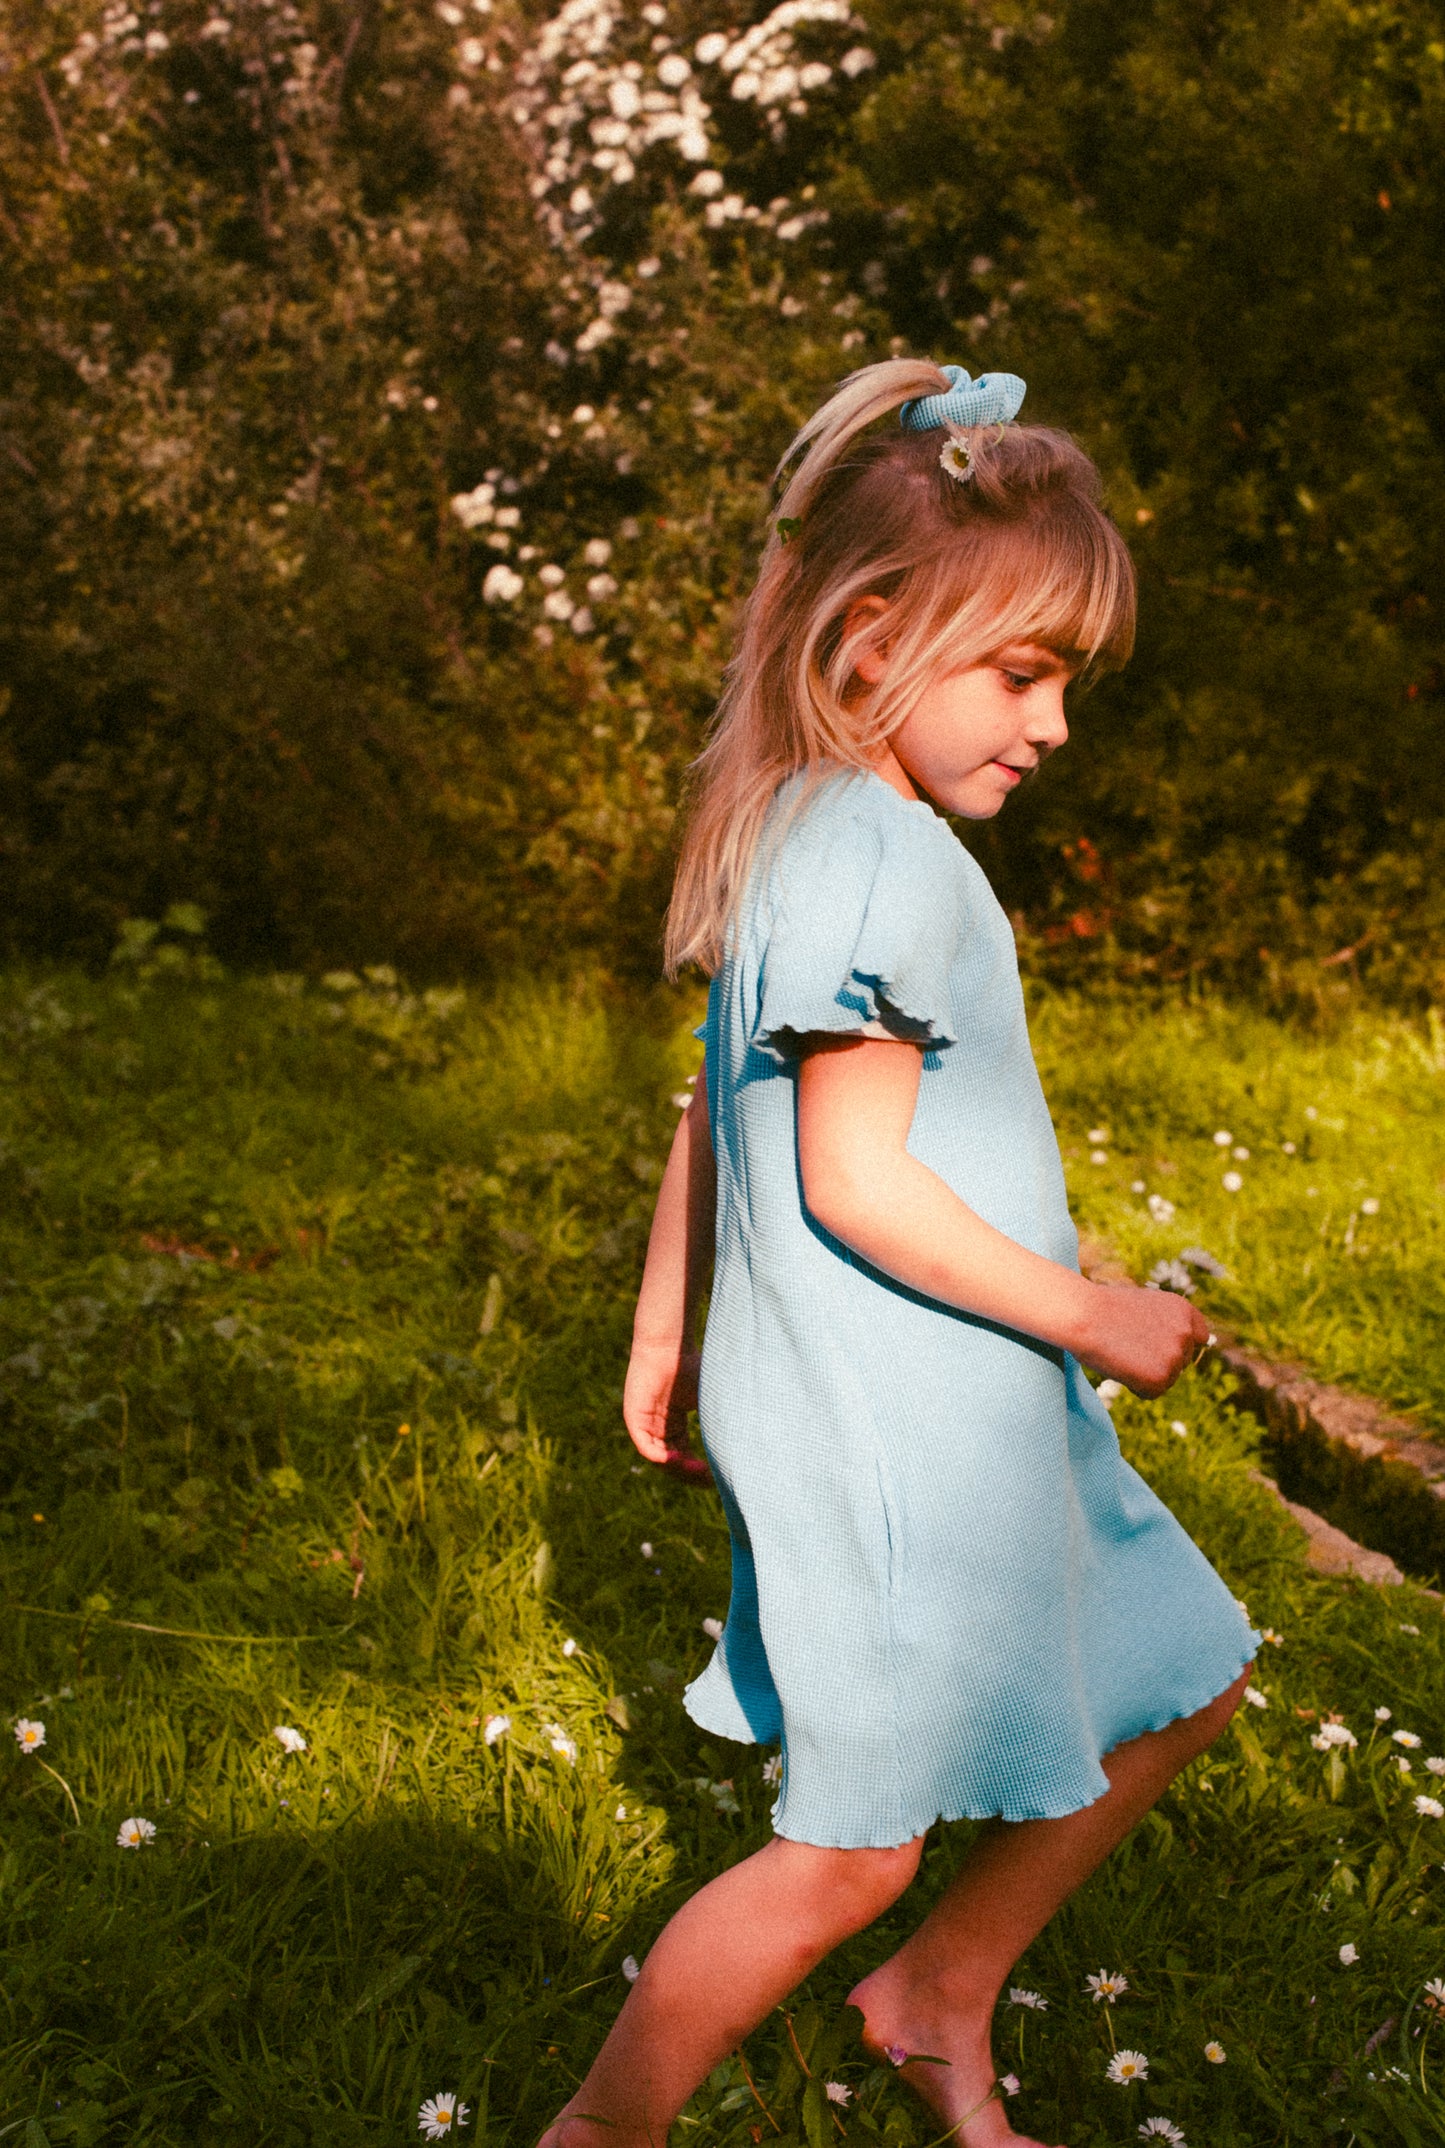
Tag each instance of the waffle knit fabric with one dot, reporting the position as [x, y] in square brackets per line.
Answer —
[950, 1592]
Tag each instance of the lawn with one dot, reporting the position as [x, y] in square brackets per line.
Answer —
[1324, 1202]
[313, 1314]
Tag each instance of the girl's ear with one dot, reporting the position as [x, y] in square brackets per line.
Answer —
[871, 661]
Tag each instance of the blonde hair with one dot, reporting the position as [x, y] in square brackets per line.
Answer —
[1020, 551]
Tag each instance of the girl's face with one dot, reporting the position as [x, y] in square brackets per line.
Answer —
[974, 735]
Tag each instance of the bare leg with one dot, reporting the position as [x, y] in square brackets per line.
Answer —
[938, 1992]
[729, 1955]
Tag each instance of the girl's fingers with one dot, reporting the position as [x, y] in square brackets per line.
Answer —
[652, 1446]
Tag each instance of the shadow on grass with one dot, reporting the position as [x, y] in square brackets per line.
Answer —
[288, 1989]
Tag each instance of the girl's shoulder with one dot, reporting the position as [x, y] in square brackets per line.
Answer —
[853, 817]
[850, 830]
[866, 902]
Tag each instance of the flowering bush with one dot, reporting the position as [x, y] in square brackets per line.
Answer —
[392, 398]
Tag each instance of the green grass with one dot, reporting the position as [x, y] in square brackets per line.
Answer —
[437, 1211]
[1355, 1293]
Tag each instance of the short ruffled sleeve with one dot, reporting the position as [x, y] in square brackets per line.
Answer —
[866, 917]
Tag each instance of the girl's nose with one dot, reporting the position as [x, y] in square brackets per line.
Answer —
[1048, 727]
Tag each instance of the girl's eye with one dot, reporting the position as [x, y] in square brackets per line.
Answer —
[1017, 681]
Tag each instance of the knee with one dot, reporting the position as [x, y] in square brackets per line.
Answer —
[864, 1883]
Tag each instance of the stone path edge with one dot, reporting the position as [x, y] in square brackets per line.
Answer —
[1344, 1449]
[1352, 1454]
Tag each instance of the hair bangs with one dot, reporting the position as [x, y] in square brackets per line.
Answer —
[1060, 577]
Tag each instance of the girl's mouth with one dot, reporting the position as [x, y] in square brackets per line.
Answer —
[1015, 775]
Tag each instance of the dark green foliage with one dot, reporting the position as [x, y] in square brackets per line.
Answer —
[1210, 239]
[275, 295]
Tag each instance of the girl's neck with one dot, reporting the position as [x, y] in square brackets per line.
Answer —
[894, 774]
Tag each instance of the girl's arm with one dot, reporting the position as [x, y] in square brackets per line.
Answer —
[856, 1099]
[662, 1371]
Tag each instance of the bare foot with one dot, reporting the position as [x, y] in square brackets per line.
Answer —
[964, 2093]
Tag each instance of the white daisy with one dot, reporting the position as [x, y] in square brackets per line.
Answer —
[1349, 1954]
[837, 2092]
[646, 1550]
[1383, 1715]
[1430, 1808]
[1232, 1182]
[1255, 1698]
[1435, 1992]
[1099, 1136]
[1214, 2053]
[773, 1769]
[1330, 1734]
[29, 1736]
[290, 1741]
[1161, 1210]
[1161, 2129]
[1436, 1764]
[1402, 1764]
[1275, 1640]
[569, 1647]
[956, 458]
[1406, 1738]
[1108, 1392]
[561, 1744]
[135, 1832]
[1127, 2066]
[1106, 1985]
[496, 1726]
[1017, 1997]
[439, 2114]
[712, 1627]
[1406, 1627]
[1223, 1138]
[631, 1968]
[1010, 2083]
[1179, 1428]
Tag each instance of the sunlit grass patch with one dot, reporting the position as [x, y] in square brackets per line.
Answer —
[1323, 1204]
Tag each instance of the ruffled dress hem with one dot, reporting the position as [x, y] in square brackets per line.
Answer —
[882, 1840]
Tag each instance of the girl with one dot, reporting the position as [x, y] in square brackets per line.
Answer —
[951, 1596]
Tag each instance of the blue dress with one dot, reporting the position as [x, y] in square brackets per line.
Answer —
[950, 1593]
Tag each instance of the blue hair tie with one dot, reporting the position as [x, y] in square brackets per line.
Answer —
[992, 399]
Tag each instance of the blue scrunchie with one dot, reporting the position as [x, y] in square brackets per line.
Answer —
[992, 399]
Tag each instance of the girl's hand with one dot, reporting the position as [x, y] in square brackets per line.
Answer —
[1145, 1338]
[661, 1388]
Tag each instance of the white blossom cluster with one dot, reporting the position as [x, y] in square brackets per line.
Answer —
[591, 109]
[561, 603]
[764, 63]
[278, 60]
[121, 31]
